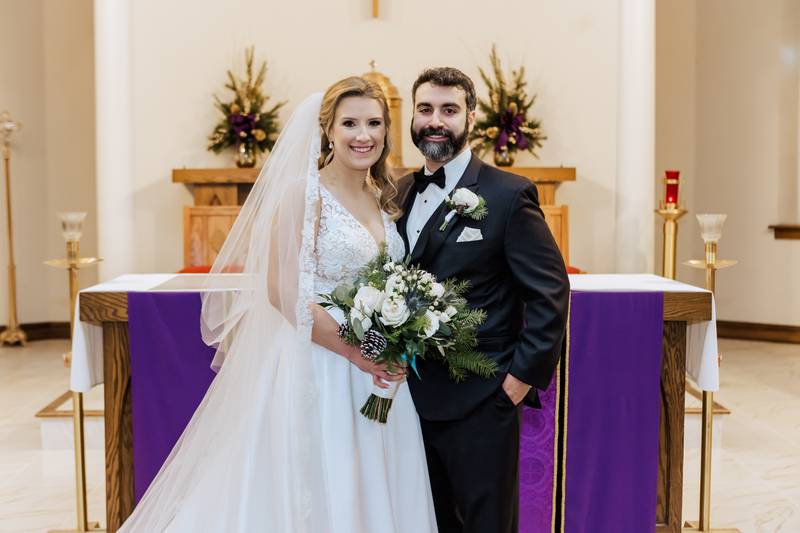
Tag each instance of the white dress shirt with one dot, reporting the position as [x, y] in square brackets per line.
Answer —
[429, 200]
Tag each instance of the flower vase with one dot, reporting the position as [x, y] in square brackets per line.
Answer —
[503, 157]
[246, 156]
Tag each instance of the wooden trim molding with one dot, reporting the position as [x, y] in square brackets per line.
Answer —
[40, 331]
[758, 332]
[786, 231]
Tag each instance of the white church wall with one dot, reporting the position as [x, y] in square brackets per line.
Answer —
[47, 83]
[21, 93]
[181, 50]
[747, 149]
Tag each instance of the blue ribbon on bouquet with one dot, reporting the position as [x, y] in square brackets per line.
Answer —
[412, 363]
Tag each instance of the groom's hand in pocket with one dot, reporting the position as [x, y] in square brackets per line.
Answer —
[515, 389]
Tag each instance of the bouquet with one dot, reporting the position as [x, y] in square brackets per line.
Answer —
[398, 313]
[247, 124]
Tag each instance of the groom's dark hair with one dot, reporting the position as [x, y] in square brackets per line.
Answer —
[447, 77]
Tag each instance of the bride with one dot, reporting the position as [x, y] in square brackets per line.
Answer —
[278, 444]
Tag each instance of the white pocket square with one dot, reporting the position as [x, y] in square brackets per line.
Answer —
[470, 235]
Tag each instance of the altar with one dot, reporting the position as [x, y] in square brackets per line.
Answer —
[218, 194]
[605, 454]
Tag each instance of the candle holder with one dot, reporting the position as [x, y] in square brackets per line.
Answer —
[13, 334]
[71, 229]
[711, 232]
[671, 212]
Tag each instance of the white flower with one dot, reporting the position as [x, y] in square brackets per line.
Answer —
[394, 311]
[444, 318]
[427, 277]
[393, 283]
[437, 290]
[366, 322]
[465, 198]
[450, 311]
[432, 325]
[388, 267]
[368, 300]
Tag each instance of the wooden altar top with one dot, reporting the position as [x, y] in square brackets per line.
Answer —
[110, 306]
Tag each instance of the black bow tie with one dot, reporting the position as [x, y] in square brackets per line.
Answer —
[421, 181]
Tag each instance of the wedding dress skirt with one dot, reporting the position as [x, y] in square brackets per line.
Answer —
[229, 473]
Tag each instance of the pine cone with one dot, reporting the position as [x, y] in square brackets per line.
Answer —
[344, 329]
[373, 344]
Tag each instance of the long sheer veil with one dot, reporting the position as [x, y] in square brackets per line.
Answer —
[249, 454]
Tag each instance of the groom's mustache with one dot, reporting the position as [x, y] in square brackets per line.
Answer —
[425, 132]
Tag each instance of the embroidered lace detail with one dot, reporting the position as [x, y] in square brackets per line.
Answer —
[305, 291]
[344, 245]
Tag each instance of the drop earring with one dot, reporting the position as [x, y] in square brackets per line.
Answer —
[329, 157]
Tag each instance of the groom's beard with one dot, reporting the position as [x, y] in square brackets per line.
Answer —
[439, 151]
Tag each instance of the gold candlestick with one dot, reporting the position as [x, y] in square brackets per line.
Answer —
[13, 334]
[711, 228]
[71, 224]
[670, 213]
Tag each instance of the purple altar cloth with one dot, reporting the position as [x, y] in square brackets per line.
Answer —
[170, 372]
[603, 412]
[613, 410]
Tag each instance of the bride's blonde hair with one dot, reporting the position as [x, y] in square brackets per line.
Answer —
[379, 179]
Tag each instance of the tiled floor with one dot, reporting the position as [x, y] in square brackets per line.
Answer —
[37, 487]
[756, 474]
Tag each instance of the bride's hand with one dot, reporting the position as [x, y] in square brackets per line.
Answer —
[380, 372]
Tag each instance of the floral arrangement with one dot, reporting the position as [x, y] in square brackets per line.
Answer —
[397, 313]
[247, 124]
[505, 126]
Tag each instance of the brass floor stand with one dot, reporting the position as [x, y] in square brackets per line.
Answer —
[13, 334]
[71, 223]
[712, 231]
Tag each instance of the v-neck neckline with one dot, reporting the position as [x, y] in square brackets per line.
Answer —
[378, 243]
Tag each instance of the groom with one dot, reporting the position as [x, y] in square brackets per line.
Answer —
[516, 274]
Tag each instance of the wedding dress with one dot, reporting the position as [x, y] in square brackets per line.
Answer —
[278, 444]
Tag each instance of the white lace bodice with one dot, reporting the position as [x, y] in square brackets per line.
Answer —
[344, 245]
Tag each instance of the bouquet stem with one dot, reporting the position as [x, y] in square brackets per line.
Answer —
[379, 402]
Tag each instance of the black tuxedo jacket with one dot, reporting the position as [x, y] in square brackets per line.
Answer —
[516, 275]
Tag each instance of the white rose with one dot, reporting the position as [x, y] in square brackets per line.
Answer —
[366, 322]
[393, 283]
[444, 318]
[368, 300]
[466, 198]
[427, 277]
[432, 323]
[394, 311]
[437, 290]
[450, 311]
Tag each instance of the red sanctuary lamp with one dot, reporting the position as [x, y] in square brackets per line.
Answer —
[670, 210]
[671, 182]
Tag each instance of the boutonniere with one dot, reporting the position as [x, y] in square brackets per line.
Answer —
[465, 203]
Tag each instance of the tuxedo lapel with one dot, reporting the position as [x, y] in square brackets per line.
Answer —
[431, 238]
[406, 201]
[422, 240]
